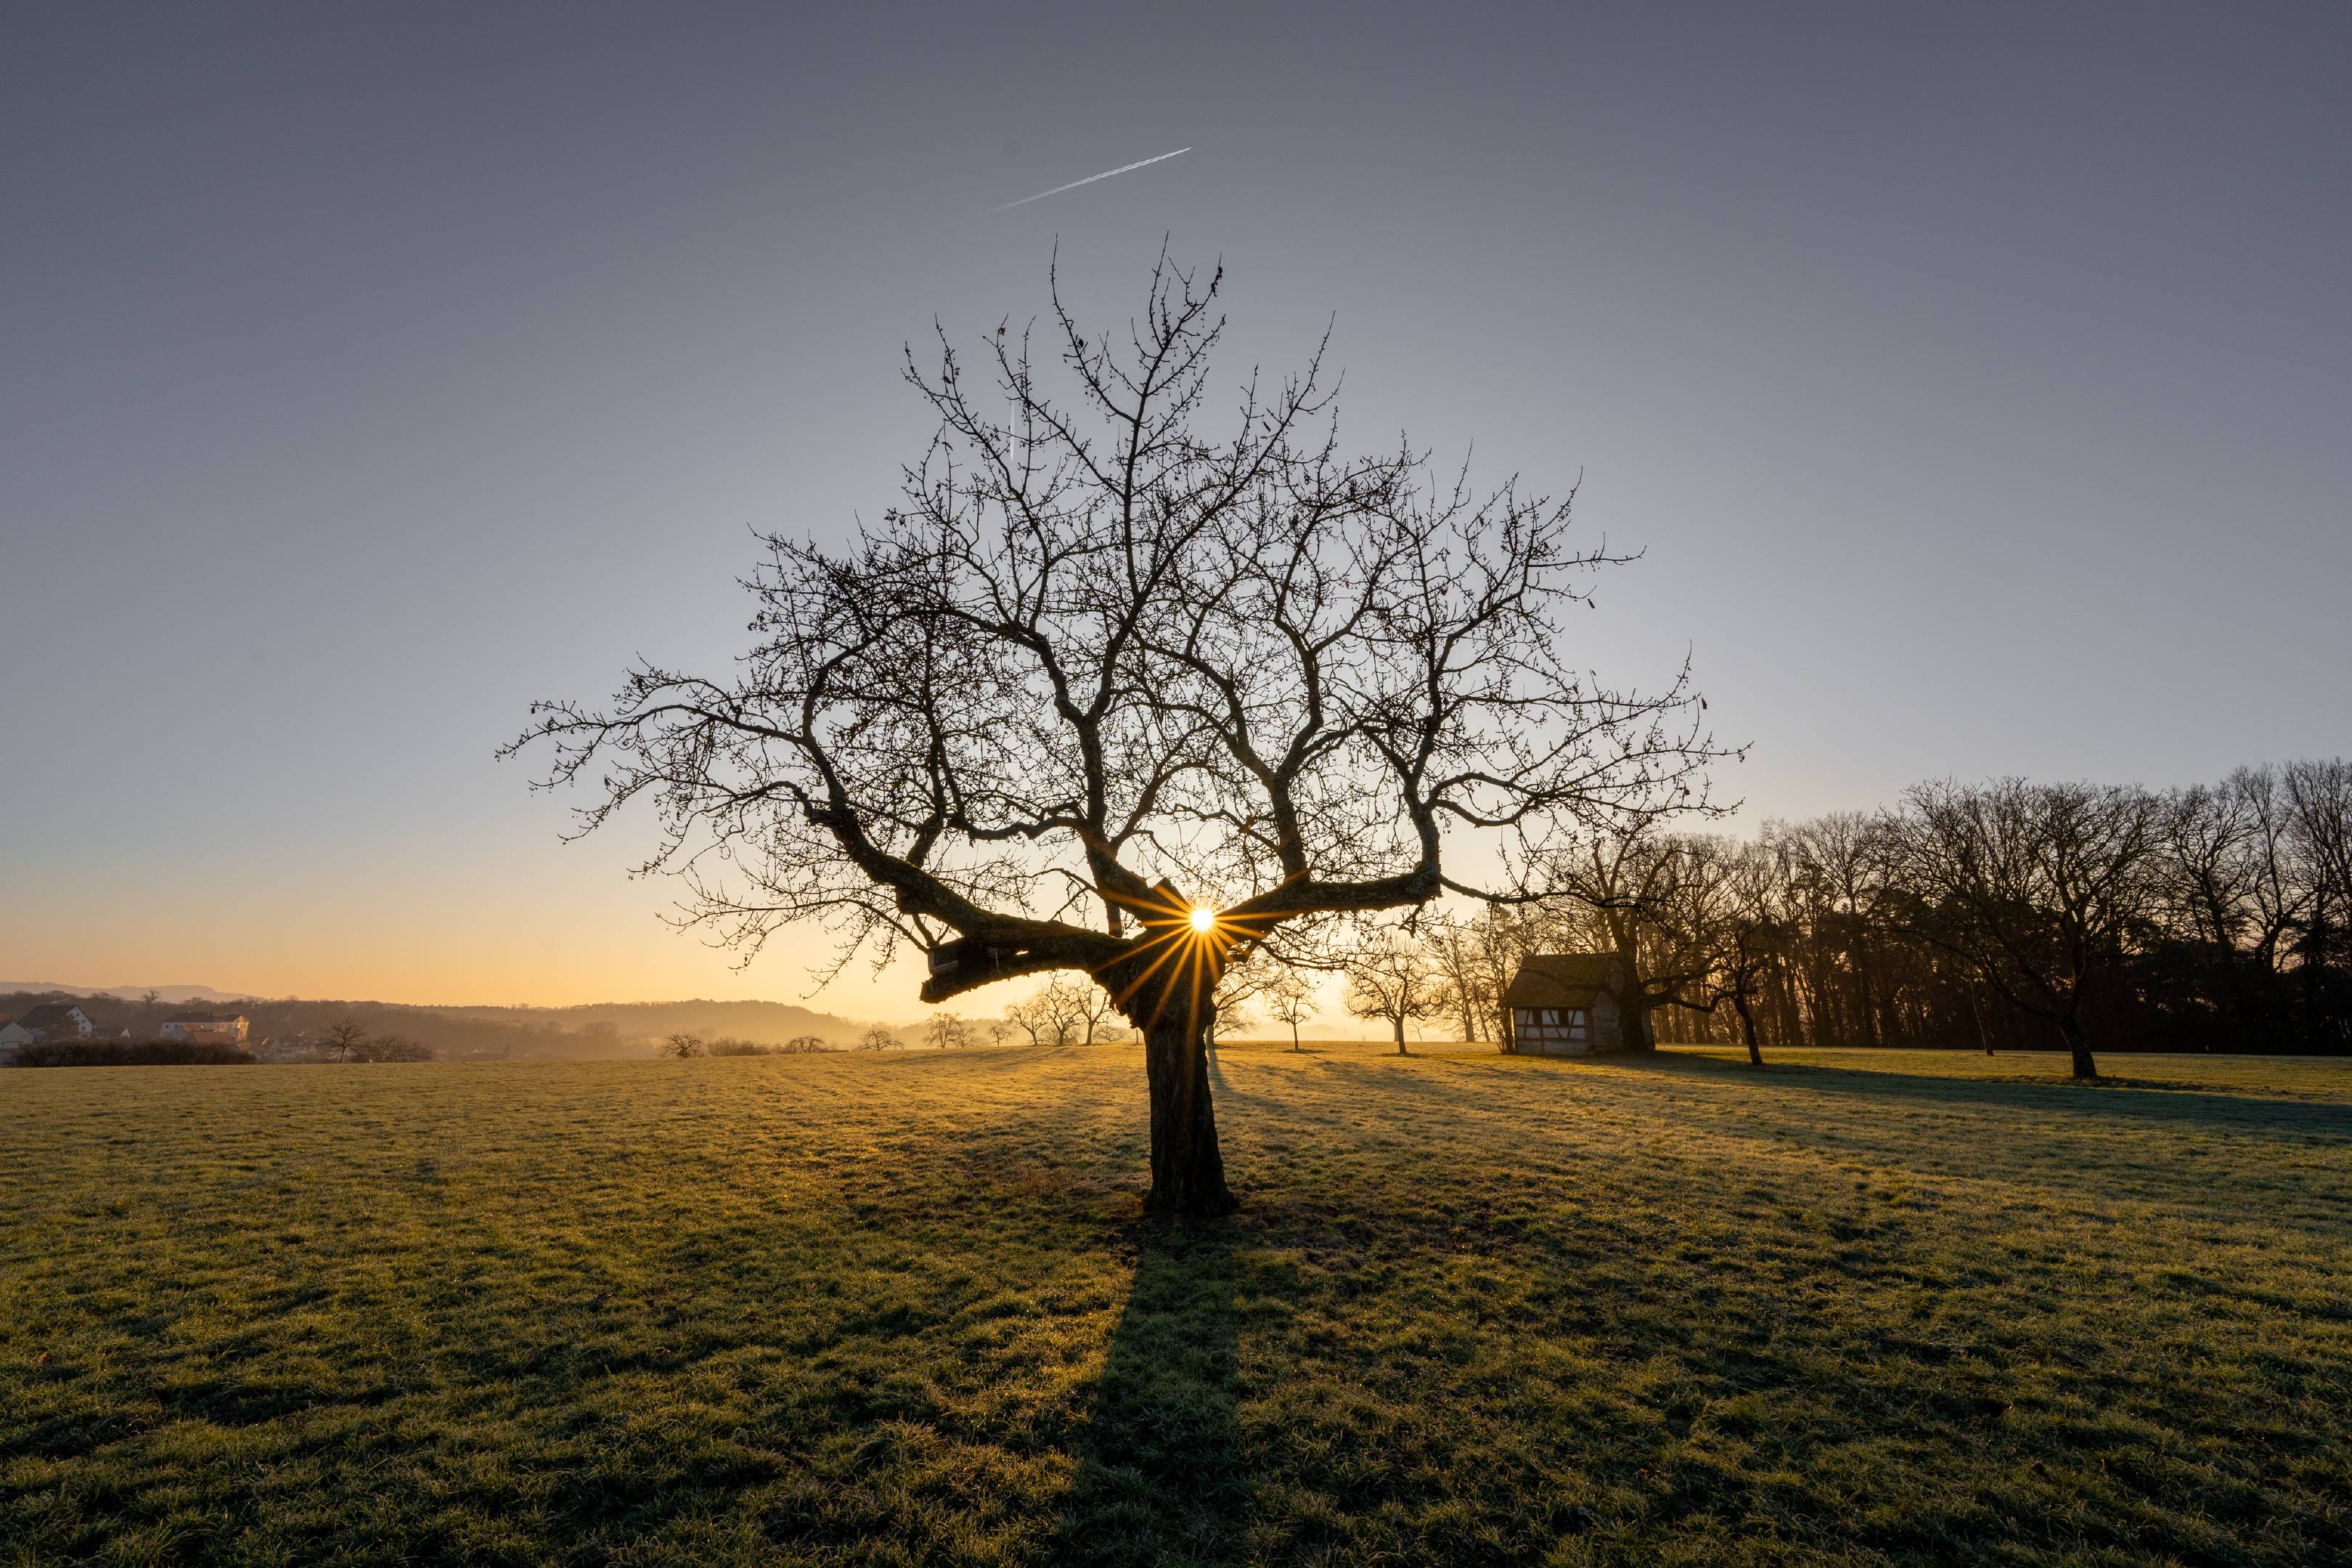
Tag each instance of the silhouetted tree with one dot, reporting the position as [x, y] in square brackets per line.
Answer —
[1289, 1000]
[1103, 667]
[393, 1048]
[1390, 977]
[2035, 887]
[947, 1031]
[342, 1040]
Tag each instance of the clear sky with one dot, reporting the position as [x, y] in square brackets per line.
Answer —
[1976, 379]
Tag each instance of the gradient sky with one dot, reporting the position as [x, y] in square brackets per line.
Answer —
[1974, 378]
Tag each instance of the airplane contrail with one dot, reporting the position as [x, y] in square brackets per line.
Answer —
[1090, 180]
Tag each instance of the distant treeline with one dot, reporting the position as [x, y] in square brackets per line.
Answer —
[478, 1034]
[1983, 917]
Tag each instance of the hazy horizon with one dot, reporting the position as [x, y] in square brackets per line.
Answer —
[1974, 382]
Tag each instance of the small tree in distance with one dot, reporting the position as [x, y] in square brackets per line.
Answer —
[876, 1038]
[1391, 978]
[1289, 999]
[394, 1048]
[1055, 1013]
[681, 1045]
[343, 1040]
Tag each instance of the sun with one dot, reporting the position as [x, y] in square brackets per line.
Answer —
[1204, 919]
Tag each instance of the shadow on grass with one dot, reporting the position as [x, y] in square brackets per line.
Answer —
[1160, 1462]
[2134, 1099]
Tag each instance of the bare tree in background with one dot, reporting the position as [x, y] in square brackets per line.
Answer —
[2033, 885]
[947, 1031]
[343, 1039]
[1391, 978]
[681, 1045]
[1837, 870]
[1748, 929]
[876, 1038]
[1114, 691]
[1246, 974]
[1094, 1012]
[394, 1049]
[1462, 958]
[2318, 797]
[1289, 1000]
[1056, 1013]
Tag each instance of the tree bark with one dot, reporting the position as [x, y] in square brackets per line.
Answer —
[1188, 1171]
[2084, 1067]
[1399, 1022]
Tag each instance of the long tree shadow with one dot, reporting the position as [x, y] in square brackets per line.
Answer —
[2115, 1097]
[1159, 1460]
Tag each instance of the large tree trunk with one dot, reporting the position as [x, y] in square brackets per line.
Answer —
[1188, 1173]
[1748, 1028]
[2072, 1028]
[1399, 1022]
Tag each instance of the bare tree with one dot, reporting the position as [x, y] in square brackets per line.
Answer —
[1289, 999]
[343, 1040]
[1462, 959]
[1391, 978]
[1747, 928]
[1837, 870]
[2319, 818]
[1062, 1012]
[393, 1048]
[947, 1031]
[1034, 1019]
[1052, 1015]
[1094, 1012]
[876, 1038]
[681, 1045]
[1244, 980]
[1110, 691]
[2035, 886]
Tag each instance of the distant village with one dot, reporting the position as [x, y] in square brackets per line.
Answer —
[50, 1023]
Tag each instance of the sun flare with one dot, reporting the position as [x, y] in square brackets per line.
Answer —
[1204, 918]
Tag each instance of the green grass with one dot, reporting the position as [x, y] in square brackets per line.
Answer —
[1853, 1309]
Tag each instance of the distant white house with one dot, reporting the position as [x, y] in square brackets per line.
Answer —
[49, 1021]
[56, 1021]
[226, 1028]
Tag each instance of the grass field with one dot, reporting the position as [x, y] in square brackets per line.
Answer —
[1870, 1310]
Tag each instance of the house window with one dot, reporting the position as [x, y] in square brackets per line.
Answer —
[1576, 1030]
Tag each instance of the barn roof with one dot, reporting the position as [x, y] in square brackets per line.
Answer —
[1562, 979]
[49, 1014]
